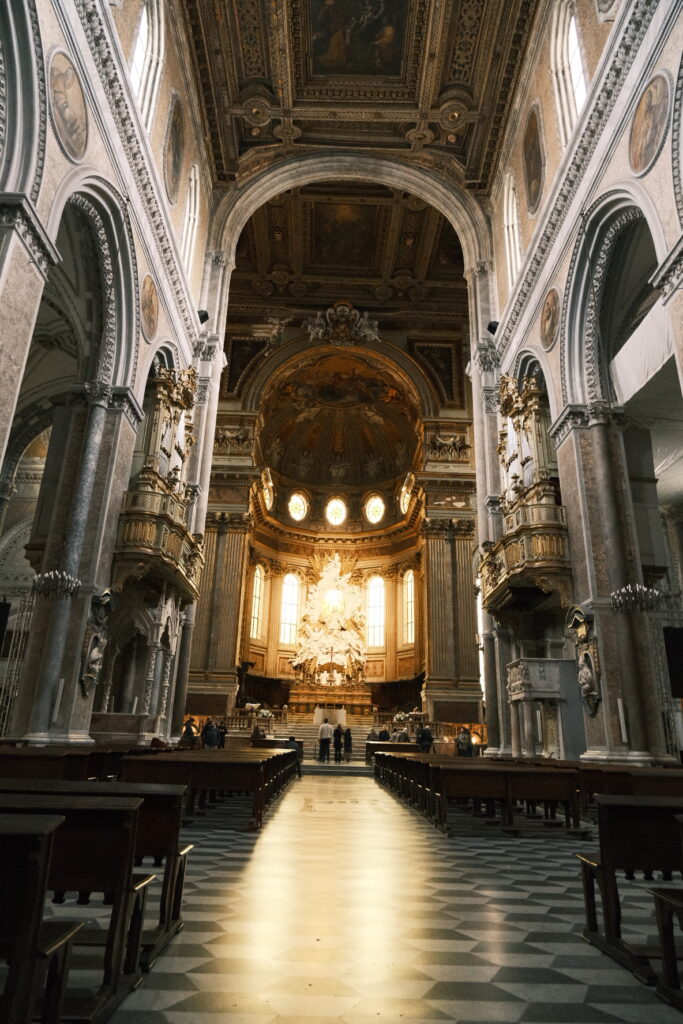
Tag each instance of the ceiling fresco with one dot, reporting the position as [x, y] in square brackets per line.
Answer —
[431, 82]
[339, 419]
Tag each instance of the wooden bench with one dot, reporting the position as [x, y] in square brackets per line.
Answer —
[373, 747]
[262, 774]
[158, 836]
[94, 851]
[44, 763]
[37, 951]
[635, 834]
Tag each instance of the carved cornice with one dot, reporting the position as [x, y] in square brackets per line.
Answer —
[105, 61]
[123, 400]
[669, 274]
[42, 99]
[676, 142]
[18, 213]
[233, 522]
[572, 417]
[613, 80]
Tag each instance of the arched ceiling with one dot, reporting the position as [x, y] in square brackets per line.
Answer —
[383, 249]
[430, 81]
[339, 418]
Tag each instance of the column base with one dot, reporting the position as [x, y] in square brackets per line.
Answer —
[604, 756]
[53, 739]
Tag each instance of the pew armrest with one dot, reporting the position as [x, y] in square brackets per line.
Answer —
[54, 934]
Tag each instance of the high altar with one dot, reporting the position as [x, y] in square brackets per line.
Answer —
[331, 645]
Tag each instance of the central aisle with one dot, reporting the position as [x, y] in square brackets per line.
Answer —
[349, 908]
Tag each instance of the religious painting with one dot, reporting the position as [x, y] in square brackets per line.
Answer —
[149, 307]
[69, 112]
[344, 234]
[550, 318]
[440, 359]
[357, 37]
[649, 124]
[174, 150]
[533, 161]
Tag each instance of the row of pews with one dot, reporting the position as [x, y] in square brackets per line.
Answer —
[639, 814]
[78, 822]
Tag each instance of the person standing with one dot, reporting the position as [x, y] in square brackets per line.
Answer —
[324, 736]
[425, 739]
[384, 734]
[463, 743]
[348, 744]
[210, 735]
[338, 737]
[190, 732]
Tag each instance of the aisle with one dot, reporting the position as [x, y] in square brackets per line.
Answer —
[349, 908]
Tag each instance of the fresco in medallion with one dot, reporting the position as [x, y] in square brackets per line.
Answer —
[357, 37]
[174, 152]
[70, 114]
[149, 307]
[649, 124]
[533, 161]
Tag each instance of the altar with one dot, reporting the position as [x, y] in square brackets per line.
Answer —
[335, 716]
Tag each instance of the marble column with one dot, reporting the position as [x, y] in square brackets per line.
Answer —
[516, 730]
[153, 664]
[211, 360]
[439, 619]
[58, 616]
[183, 670]
[528, 744]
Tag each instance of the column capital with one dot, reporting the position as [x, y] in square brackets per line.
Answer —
[123, 400]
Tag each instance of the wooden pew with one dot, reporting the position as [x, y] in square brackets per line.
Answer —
[158, 836]
[259, 773]
[373, 747]
[669, 905]
[636, 833]
[37, 951]
[44, 763]
[94, 851]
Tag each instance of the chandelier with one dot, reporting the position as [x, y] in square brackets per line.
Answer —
[635, 597]
[56, 584]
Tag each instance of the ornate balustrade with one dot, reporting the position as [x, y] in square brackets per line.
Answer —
[153, 540]
[532, 554]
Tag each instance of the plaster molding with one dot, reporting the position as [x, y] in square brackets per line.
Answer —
[18, 213]
[42, 100]
[669, 274]
[110, 77]
[613, 79]
[572, 417]
[107, 354]
[123, 400]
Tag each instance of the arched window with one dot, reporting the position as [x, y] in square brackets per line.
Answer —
[567, 67]
[511, 220]
[409, 607]
[289, 609]
[257, 604]
[190, 221]
[147, 58]
[375, 617]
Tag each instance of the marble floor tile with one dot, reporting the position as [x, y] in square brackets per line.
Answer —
[349, 908]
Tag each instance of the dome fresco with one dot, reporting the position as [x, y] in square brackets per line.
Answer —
[339, 419]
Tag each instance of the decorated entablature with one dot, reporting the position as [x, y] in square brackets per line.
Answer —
[529, 566]
[154, 540]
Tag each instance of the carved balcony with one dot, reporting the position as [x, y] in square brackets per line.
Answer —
[529, 565]
[153, 542]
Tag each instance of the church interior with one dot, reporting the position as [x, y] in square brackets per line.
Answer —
[341, 510]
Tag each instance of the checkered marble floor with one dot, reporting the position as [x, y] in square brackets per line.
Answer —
[349, 908]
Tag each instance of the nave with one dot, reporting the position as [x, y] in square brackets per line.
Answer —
[349, 908]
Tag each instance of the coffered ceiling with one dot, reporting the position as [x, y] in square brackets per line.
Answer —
[431, 80]
[382, 249]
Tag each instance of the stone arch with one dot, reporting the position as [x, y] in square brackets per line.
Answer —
[23, 100]
[583, 377]
[524, 365]
[107, 211]
[457, 206]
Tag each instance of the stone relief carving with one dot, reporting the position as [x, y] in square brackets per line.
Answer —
[95, 641]
[342, 325]
[579, 627]
[448, 448]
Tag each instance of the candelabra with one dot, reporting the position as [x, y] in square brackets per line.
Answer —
[56, 583]
[635, 597]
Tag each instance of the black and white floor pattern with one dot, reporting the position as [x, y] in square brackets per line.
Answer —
[349, 908]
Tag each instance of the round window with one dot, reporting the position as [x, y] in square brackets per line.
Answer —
[335, 512]
[374, 509]
[298, 506]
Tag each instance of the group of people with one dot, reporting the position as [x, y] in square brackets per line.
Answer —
[339, 737]
[423, 737]
[211, 736]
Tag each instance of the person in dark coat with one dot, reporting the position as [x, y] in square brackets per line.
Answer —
[425, 739]
[338, 740]
[384, 735]
[348, 744]
[210, 735]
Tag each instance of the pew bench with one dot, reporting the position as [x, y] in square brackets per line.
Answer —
[636, 833]
[94, 851]
[37, 951]
[158, 837]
